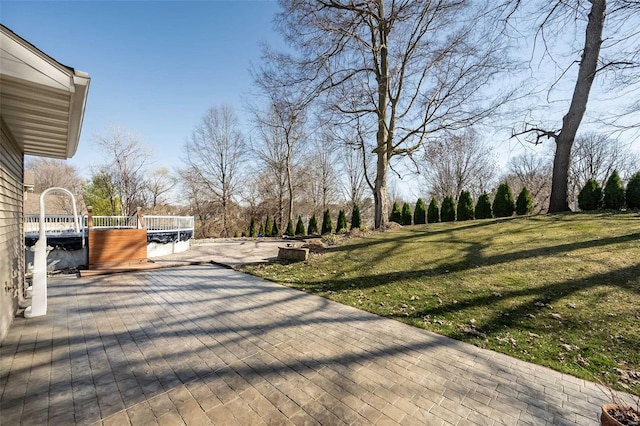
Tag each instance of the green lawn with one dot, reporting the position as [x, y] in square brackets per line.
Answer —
[557, 290]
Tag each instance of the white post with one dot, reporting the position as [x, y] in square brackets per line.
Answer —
[39, 289]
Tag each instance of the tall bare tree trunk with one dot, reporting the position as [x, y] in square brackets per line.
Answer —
[570, 123]
[383, 144]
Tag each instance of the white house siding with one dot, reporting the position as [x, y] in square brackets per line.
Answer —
[11, 239]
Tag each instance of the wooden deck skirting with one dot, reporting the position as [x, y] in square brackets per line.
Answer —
[117, 247]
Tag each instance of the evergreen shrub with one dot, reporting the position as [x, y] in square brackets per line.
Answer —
[290, 231]
[448, 211]
[614, 192]
[420, 213]
[465, 206]
[633, 192]
[356, 218]
[503, 205]
[327, 226]
[524, 203]
[300, 227]
[590, 196]
[433, 212]
[396, 215]
[268, 227]
[342, 222]
[313, 226]
[483, 207]
[406, 215]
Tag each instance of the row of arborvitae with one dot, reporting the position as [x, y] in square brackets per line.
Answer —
[503, 206]
[270, 228]
[614, 196]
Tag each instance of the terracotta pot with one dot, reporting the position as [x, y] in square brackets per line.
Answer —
[605, 417]
[607, 420]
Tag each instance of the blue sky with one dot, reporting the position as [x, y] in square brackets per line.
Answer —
[155, 66]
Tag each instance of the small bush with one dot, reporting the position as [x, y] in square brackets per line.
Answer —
[253, 231]
[396, 215]
[448, 211]
[356, 218]
[633, 192]
[433, 212]
[524, 203]
[406, 215]
[342, 222]
[300, 227]
[420, 213]
[465, 206]
[327, 226]
[614, 192]
[290, 231]
[268, 227]
[313, 226]
[483, 207]
[590, 196]
[275, 232]
[503, 205]
[261, 231]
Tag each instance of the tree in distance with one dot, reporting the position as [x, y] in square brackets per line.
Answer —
[342, 222]
[465, 206]
[327, 226]
[590, 196]
[275, 232]
[420, 213]
[633, 192]
[300, 227]
[503, 205]
[483, 207]
[406, 215]
[396, 215]
[448, 212]
[356, 218]
[313, 226]
[524, 203]
[433, 213]
[614, 192]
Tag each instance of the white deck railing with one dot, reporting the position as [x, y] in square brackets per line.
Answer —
[115, 222]
[62, 224]
[168, 223]
[53, 224]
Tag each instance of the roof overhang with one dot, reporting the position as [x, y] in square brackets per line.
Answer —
[42, 101]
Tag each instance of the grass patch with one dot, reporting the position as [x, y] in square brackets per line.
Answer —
[558, 290]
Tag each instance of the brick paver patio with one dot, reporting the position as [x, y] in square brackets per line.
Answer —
[207, 345]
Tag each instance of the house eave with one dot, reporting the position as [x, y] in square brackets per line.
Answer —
[42, 100]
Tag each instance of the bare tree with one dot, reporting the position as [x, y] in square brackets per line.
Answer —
[49, 172]
[322, 177]
[214, 156]
[281, 135]
[405, 70]
[126, 165]
[534, 172]
[354, 183]
[596, 156]
[617, 54]
[459, 161]
[158, 184]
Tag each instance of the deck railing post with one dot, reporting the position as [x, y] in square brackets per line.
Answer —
[89, 217]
